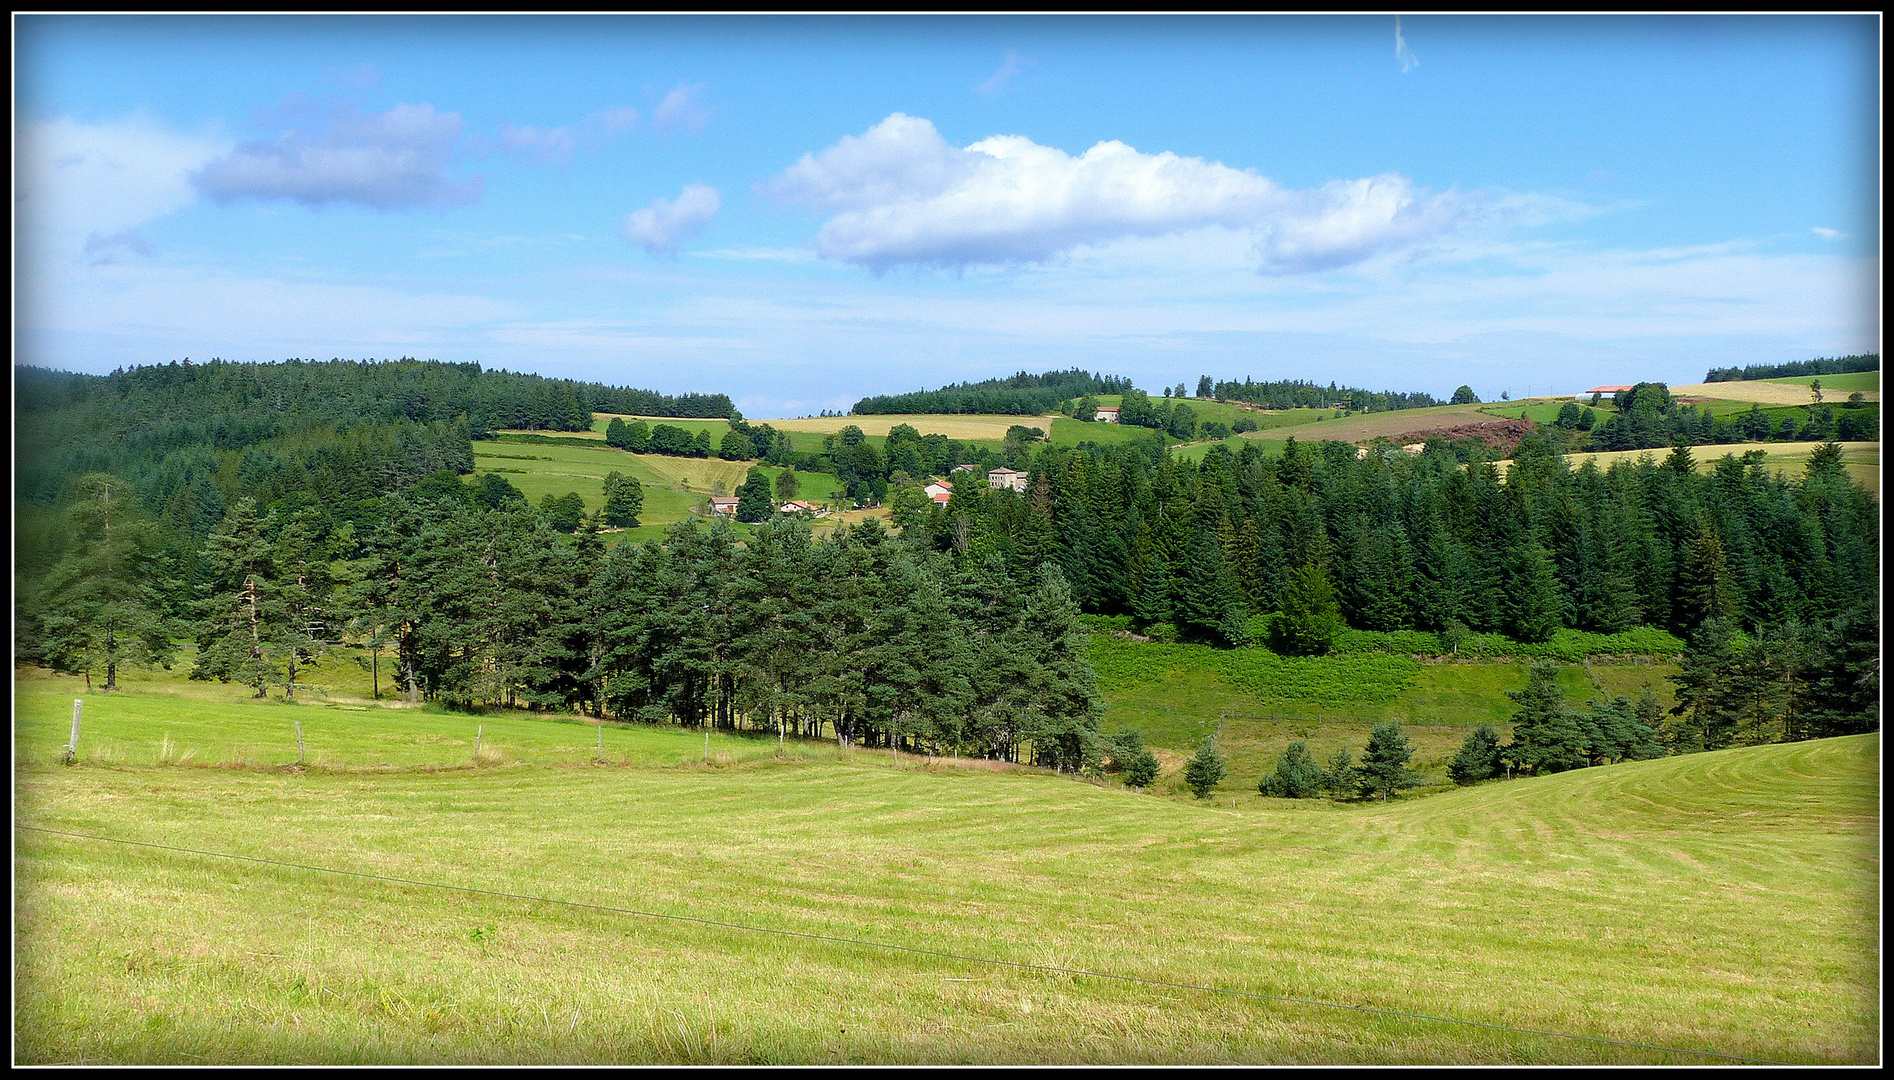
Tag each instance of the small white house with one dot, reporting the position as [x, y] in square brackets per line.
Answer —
[723, 505]
[940, 491]
[1107, 414]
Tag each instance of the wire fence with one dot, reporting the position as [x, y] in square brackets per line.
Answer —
[1051, 969]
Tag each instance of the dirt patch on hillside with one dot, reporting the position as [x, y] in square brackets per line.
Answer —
[1502, 435]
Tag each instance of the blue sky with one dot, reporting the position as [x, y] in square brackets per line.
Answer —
[800, 211]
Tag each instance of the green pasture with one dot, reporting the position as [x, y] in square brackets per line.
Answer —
[1177, 695]
[1724, 902]
[673, 486]
[1842, 385]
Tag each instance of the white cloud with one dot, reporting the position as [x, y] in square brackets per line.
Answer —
[84, 186]
[682, 108]
[659, 226]
[395, 160]
[1829, 234]
[616, 119]
[1000, 78]
[548, 146]
[1402, 54]
[901, 195]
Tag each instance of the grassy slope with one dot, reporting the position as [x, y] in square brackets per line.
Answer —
[673, 486]
[1722, 901]
[1832, 385]
[1862, 460]
[1438, 705]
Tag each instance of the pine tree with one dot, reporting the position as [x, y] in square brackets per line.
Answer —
[1478, 757]
[1297, 776]
[1383, 769]
[100, 607]
[1206, 769]
[242, 611]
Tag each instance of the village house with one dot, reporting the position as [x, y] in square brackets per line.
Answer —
[940, 491]
[803, 507]
[723, 505]
[1006, 478]
[964, 468]
[1107, 414]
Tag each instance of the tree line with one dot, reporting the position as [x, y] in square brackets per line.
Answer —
[1827, 365]
[1022, 394]
[863, 637]
[1299, 393]
[1648, 417]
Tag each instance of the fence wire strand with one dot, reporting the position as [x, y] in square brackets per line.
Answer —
[913, 950]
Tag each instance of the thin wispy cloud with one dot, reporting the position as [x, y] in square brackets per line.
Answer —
[1829, 234]
[1402, 54]
[660, 226]
[902, 195]
[995, 82]
[391, 161]
[683, 109]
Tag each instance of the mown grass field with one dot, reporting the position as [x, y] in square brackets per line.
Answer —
[1780, 391]
[1723, 902]
[1257, 703]
[1868, 382]
[1862, 460]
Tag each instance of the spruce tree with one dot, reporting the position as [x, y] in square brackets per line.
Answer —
[1546, 736]
[1206, 769]
[100, 607]
[1142, 770]
[1311, 616]
[1208, 604]
[1535, 605]
[1383, 769]
[1478, 757]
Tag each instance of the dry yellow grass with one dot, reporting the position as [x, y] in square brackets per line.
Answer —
[954, 427]
[1764, 393]
[697, 474]
[1861, 459]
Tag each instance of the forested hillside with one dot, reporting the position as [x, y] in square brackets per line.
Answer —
[268, 543]
[1021, 395]
[1297, 393]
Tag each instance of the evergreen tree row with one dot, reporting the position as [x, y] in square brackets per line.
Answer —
[1021, 395]
[1301, 394]
[1835, 365]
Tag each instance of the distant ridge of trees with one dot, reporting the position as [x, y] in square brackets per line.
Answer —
[1825, 365]
[1300, 393]
[1022, 394]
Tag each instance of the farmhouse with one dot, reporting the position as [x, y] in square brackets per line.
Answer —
[723, 505]
[1107, 414]
[1006, 478]
[803, 507]
[940, 491]
[964, 468]
[1599, 390]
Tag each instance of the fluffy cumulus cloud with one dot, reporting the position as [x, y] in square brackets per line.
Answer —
[900, 194]
[394, 160]
[660, 226]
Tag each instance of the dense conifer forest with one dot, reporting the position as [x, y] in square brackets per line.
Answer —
[1020, 395]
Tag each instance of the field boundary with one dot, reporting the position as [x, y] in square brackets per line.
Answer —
[1016, 964]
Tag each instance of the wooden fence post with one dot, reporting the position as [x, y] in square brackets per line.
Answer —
[72, 744]
[299, 742]
[479, 730]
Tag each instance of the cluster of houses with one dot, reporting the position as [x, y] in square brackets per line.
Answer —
[726, 506]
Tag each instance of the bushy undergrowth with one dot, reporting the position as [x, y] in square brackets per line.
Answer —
[1568, 645]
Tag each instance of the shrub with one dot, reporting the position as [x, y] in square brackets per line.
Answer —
[1142, 771]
